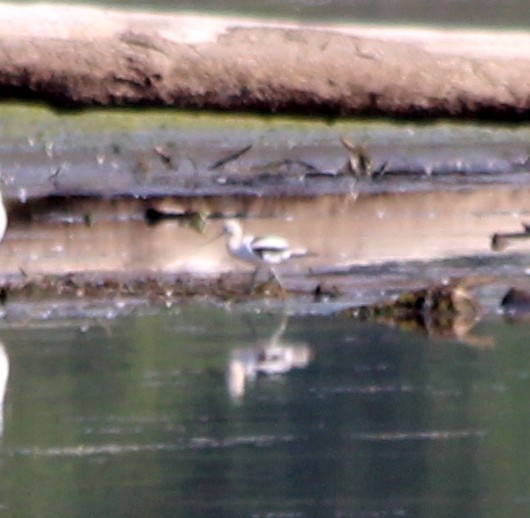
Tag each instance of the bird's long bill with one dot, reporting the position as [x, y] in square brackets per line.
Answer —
[215, 238]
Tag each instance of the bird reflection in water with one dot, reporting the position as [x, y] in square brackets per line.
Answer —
[4, 375]
[271, 357]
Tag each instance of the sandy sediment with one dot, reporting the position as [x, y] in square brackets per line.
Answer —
[80, 56]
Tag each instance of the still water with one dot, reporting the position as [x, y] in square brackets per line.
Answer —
[506, 14]
[202, 410]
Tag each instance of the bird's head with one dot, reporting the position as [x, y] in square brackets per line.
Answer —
[231, 228]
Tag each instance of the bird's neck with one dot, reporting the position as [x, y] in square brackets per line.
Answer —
[3, 217]
[234, 240]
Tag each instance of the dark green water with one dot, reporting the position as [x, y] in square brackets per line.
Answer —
[138, 416]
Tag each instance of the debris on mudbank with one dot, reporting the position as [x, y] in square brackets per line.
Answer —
[445, 312]
[360, 163]
[152, 287]
[516, 304]
[501, 240]
[195, 220]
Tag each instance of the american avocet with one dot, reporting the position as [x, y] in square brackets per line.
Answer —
[259, 251]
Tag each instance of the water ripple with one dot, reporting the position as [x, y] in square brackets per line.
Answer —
[196, 443]
[435, 435]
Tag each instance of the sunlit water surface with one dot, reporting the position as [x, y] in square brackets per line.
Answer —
[210, 411]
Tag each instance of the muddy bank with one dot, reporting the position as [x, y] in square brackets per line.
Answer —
[361, 249]
[443, 312]
[61, 235]
[156, 153]
[368, 251]
[130, 213]
[86, 56]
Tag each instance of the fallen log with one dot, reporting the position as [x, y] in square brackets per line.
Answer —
[85, 56]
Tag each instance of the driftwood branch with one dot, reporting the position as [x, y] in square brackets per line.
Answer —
[78, 56]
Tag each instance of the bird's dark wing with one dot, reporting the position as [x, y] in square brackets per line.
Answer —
[267, 245]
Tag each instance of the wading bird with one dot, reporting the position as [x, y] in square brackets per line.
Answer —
[259, 251]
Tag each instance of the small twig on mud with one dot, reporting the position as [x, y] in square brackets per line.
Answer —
[164, 156]
[288, 163]
[500, 240]
[54, 177]
[311, 169]
[230, 158]
[360, 162]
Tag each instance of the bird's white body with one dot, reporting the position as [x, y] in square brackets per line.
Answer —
[269, 250]
[3, 217]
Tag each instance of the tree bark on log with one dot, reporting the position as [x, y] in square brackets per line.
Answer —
[79, 57]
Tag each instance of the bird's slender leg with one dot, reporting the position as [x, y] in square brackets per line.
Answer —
[253, 279]
[256, 273]
[273, 271]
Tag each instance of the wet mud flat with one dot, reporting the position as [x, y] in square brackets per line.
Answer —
[123, 218]
[365, 248]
